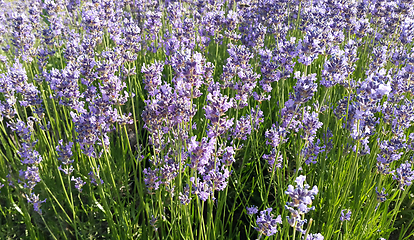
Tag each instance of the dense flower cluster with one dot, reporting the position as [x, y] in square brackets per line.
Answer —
[222, 86]
[31, 158]
[301, 197]
[266, 223]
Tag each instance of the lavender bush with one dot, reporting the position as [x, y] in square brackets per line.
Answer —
[194, 119]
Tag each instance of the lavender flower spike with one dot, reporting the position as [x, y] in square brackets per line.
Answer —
[78, 183]
[252, 210]
[345, 217]
[316, 236]
[301, 199]
[404, 175]
[266, 224]
[33, 198]
[301, 195]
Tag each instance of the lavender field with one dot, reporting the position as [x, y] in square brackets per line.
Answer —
[207, 119]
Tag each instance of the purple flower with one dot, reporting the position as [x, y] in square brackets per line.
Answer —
[191, 72]
[404, 175]
[94, 177]
[238, 61]
[310, 125]
[153, 23]
[31, 175]
[202, 189]
[217, 105]
[252, 210]
[65, 152]
[78, 183]
[22, 35]
[305, 87]
[151, 179]
[243, 128]
[389, 152]
[228, 156]
[275, 136]
[310, 153]
[217, 179]
[315, 236]
[268, 69]
[67, 170]
[22, 129]
[28, 154]
[290, 115]
[274, 159]
[246, 124]
[381, 196]
[166, 112]
[301, 197]
[169, 170]
[33, 198]
[341, 64]
[16, 80]
[345, 217]
[185, 198]
[266, 224]
[152, 77]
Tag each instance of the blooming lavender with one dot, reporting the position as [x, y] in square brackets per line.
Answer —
[305, 87]
[381, 196]
[152, 78]
[65, 85]
[65, 155]
[94, 176]
[311, 152]
[345, 216]
[78, 183]
[310, 125]
[35, 200]
[301, 197]
[201, 153]
[341, 64]
[315, 236]
[16, 80]
[28, 154]
[274, 137]
[200, 67]
[266, 223]
[185, 198]
[215, 109]
[23, 38]
[31, 177]
[252, 210]
[389, 153]
[151, 179]
[244, 126]
[404, 175]
[274, 159]
[202, 189]
[191, 72]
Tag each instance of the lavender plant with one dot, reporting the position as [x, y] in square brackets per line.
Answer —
[191, 119]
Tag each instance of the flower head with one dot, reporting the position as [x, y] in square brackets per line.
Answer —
[266, 224]
[404, 175]
[345, 216]
[252, 210]
[33, 198]
[78, 183]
